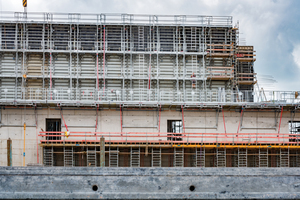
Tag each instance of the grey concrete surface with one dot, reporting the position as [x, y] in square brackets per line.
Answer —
[149, 183]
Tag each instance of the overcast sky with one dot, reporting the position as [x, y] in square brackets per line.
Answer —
[271, 26]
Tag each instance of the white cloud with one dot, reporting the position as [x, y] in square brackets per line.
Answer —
[265, 24]
[296, 55]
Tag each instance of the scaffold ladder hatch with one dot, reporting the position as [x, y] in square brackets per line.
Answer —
[263, 157]
[156, 157]
[200, 157]
[68, 157]
[91, 156]
[48, 156]
[242, 157]
[220, 157]
[113, 156]
[178, 157]
[284, 157]
[135, 157]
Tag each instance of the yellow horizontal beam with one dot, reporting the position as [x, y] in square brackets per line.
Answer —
[237, 146]
[228, 146]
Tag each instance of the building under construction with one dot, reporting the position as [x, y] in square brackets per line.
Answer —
[157, 91]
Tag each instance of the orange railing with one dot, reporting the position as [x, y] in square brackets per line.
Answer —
[175, 138]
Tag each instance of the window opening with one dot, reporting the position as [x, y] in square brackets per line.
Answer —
[53, 125]
[175, 127]
[294, 128]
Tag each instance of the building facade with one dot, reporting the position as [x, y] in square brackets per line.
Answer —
[161, 91]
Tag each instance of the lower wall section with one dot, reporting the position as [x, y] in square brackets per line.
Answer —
[172, 156]
[149, 183]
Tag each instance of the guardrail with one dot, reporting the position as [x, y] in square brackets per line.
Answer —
[102, 18]
[177, 138]
[143, 95]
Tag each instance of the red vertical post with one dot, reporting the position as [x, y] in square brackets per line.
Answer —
[121, 118]
[183, 126]
[37, 137]
[96, 121]
[50, 76]
[280, 122]
[159, 118]
[149, 81]
[239, 123]
[97, 82]
[224, 122]
[103, 59]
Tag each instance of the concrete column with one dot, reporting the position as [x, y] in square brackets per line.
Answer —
[102, 152]
[9, 152]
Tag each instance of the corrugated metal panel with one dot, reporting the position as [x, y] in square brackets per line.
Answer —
[113, 65]
[61, 65]
[88, 65]
[34, 64]
[8, 63]
[167, 66]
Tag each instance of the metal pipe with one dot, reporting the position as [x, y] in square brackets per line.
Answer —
[159, 118]
[121, 116]
[139, 126]
[79, 126]
[224, 122]
[97, 82]
[259, 127]
[24, 145]
[50, 75]
[183, 119]
[200, 127]
[280, 122]
[103, 59]
[37, 138]
[11, 125]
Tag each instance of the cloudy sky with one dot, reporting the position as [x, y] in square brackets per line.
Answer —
[271, 26]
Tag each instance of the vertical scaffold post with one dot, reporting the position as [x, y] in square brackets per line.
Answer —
[9, 152]
[50, 76]
[102, 152]
[183, 126]
[121, 116]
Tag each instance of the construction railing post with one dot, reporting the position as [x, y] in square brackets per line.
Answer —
[9, 152]
[102, 152]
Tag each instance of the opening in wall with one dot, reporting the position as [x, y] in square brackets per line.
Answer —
[175, 127]
[53, 125]
[294, 129]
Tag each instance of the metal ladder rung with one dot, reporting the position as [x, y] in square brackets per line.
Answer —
[68, 156]
[113, 156]
[178, 157]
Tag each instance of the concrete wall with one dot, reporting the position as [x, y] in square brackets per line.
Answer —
[149, 183]
[196, 121]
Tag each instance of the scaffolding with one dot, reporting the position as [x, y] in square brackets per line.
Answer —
[124, 61]
[88, 59]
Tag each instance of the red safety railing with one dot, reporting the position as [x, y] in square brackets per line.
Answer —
[175, 138]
